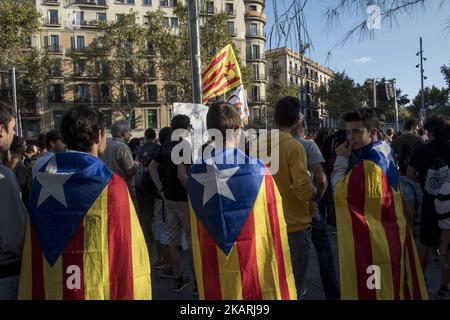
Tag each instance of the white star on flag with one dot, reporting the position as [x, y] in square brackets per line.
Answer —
[52, 183]
[385, 149]
[215, 181]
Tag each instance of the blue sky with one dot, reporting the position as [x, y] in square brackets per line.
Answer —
[391, 54]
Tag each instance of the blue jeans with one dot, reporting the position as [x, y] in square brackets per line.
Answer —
[9, 288]
[300, 246]
[321, 240]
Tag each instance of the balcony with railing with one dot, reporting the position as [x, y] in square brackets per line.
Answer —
[276, 70]
[209, 11]
[86, 23]
[54, 49]
[260, 77]
[51, 2]
[77, 50]
[256, 56]
[259, 34]
[52, 22]
[95, 4]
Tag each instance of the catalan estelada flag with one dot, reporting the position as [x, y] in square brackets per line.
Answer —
[373, 236]
[221, 75]
[239, 236]
[83, 238]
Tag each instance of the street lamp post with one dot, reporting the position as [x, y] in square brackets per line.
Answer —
[422, 78]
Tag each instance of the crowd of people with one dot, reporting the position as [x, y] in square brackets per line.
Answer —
[311, 167]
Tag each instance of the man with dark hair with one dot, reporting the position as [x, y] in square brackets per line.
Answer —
[296, 189]
[371, 227]
[429, 165]
[83, 230]
[146, 191]
[175, 197]
[53, 143]
[403, 147]
[381, 116]
[12, 213]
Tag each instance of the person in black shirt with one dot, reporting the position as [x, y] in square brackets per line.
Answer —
[145, 188]
[422, 160]
[174, 194]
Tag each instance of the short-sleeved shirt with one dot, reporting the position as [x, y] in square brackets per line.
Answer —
[312, 152]
[425, 155]
[172, 187]
[119, 158]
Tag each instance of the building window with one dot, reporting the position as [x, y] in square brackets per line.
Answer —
[133, 119]
[79, 67]
[119, 16]
[229, 8]
[255, 94]
[276, 80]
[53, 44]
[146, 2]
[105, 92]
[255, 51]
[171, 93]
[56, 69]
[253, 29]
[163, 3]
[152, 119]
[53, 16]
[152, 93]
[128, 94]
[145, 20]
[128, 69]
[173, 3]
[255, 71]
[55, 93]
[151, 69]
[210, 7]
[253, 8]
[78, 44]
[81, 93]
[101, 16]
[57, 118]
[230, 26]
[174, 22]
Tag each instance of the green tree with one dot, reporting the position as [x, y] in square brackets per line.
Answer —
[446, 72]
[341, 95]
[121, 55]
[433, 97]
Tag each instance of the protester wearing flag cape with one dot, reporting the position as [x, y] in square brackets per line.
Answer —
[377, 255]
[83, 239]
[239, 236]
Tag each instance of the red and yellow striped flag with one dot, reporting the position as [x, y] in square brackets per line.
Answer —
[239, 236]
[102, 257]
[221, 75]
[372, 231]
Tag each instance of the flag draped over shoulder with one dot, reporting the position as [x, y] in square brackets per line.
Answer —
[239, 236]
[372, 231]
[83, 238]
[221, 75]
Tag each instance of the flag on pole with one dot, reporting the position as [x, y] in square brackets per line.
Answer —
[239, 236]
[221, 75]
[377, 255]
[83, 239]
[239, 99]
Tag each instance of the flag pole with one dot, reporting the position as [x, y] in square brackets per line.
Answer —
[195, 52]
